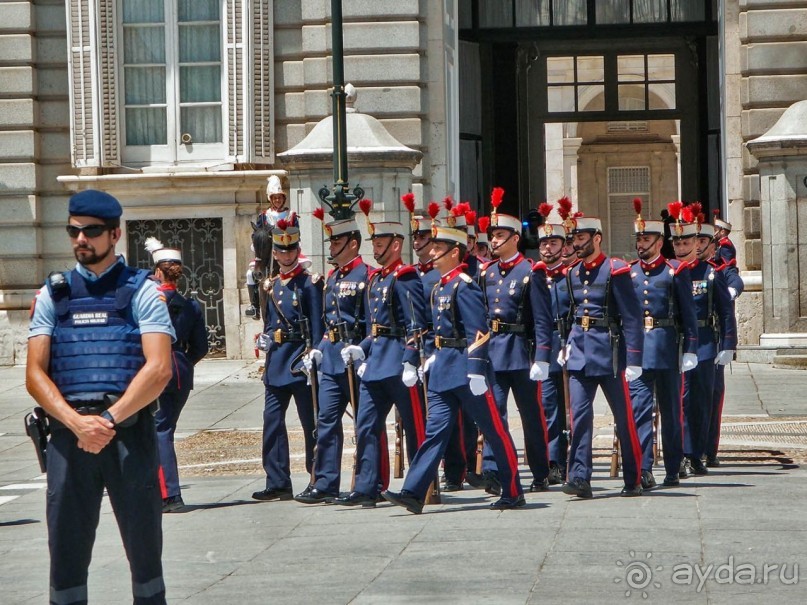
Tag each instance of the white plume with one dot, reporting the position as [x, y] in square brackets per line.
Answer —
[153, 244]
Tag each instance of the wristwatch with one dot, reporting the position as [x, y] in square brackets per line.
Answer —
[107, 416]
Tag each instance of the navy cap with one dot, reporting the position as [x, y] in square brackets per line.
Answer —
[94, 203]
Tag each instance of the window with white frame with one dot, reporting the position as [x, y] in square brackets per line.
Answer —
[172, 79]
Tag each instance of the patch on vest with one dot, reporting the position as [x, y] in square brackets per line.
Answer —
[96, 318]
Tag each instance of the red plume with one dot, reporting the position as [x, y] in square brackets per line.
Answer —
[470, 218]
[448, 203]
[687, 216]
[319, 213]
[457, 211]
[496, 197]
[701, 218]
[484, 223]
[696, 207]
[365, 205]
[716, 212]
[577, 215]
[408, 200]
[463, 207]
[434, 209]
[637, 205]
[564, 207]
[674, 208]
[293, 222]
[544, 209]
[282, 224]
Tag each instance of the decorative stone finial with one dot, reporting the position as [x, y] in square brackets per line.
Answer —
[350, 98]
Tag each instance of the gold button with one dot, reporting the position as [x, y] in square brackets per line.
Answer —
[585, 311]
[588, 272]
[646, 282]
[585, 283]
[496, 300]
[585, 301]
[500, 282]
[645, 291]
[585, 291]
[647, 312]
[647, 303]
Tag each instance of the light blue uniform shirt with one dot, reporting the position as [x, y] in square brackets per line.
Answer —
[149, 310]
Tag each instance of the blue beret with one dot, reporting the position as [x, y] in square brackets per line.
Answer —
[94, 203]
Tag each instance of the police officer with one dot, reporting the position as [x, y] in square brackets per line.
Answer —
[99, 352]
[293, 319]
[605, 350]
[395, 319]
[664, 291]
[459, 377]
[716, 326]
[551, 242]
[345, 311]
[188, 349]
[521, 337]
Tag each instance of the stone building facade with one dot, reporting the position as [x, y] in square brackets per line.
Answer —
[449, 79]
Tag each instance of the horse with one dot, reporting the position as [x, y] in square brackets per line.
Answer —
[265, 265]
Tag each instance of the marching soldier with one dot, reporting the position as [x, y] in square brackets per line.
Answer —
[482, 251]
[422, 245]
[551, 243]
[716, 325]
[344, 313]
[521, 337]
[726, 253]
[605, 350]
[459, 377]
[293, 318]
[664, 290]
[396, 317]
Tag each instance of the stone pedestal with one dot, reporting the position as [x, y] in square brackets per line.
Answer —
[377, 162]
[782, 156]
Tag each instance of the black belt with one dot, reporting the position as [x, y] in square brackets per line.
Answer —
[499, 327]
[85, 408]
[592, 322]
[281, 336]
[441, 342]
[652, 322]
[379, 330]
[704, 323]
[340, 332]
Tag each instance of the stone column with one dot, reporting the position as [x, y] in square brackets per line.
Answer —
[782, 156]
[377, 162]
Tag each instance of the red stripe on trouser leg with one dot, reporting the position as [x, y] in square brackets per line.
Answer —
[383, 459]
[634, 436]
[417, 414]
[719, 412]
[163, 486]
[504, 436]
[542, 416]
[681, 410]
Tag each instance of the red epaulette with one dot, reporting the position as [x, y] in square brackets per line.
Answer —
[405, 269]
[726, 242]
[487, 264]
[676, 265]
[633, 262]
[538, 265]
[619, 266]
[371, 271]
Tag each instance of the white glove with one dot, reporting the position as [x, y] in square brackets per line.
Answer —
[354, 352]
[410, 374]
[724, 357]
[539, 371]
[632, 373]
[308, 377]
[733, 292]
[426, 365]
[263, 341]
[477, 383]
[564, 354]
[362, 369]
[314, 356]
[689, 362]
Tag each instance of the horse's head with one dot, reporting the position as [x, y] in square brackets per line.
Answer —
[262, 243]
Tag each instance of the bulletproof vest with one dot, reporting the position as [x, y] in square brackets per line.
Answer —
[95, 346]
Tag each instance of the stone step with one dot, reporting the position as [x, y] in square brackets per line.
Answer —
[790, 361]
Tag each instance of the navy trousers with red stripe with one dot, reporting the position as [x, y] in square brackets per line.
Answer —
[460, 455]
[375, 402]
[667, 386]
[527, 394]
[443, 409]
[698, 393]
[582, 389]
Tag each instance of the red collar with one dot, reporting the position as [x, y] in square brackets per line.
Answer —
[166, 287]
[693, 263]
[390, 268]
[293, 273]
[425, 267]
[595, 263]
[345, 269]
[559, 269]
[655, 264]
[506, 266]
[452, 274]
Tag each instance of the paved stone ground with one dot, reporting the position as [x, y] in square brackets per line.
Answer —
[705, 542]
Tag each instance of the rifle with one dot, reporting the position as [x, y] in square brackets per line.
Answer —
[399, 447]
[313, 379]
[615, 454]
[433, 493]
[656, 440]
[354, 401]
[38, 429]
[567, 404]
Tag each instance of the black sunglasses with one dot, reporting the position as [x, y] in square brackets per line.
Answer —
[89, 231]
